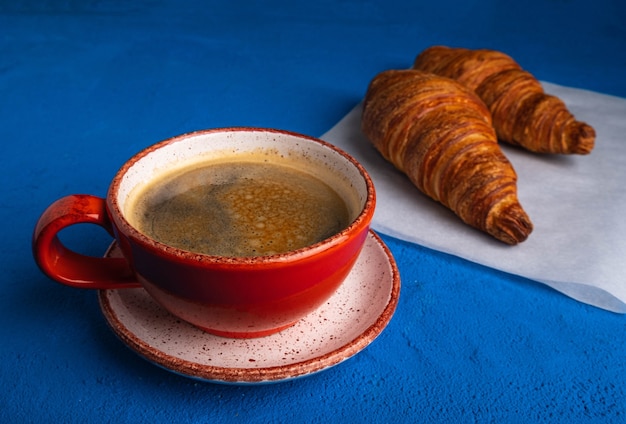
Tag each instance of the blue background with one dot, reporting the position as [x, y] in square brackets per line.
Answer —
[86, 84]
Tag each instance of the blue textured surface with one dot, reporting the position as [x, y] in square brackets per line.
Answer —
[86, 84]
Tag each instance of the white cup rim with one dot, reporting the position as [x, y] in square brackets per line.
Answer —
[114, 198]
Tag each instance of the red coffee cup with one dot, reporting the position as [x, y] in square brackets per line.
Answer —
[228, 296]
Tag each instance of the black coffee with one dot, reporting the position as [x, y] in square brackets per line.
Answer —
[239, 209]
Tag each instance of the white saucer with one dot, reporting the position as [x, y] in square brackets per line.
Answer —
[350, 320]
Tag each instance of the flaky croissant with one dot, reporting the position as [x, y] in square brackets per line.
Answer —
[523, 114]
[439, 134]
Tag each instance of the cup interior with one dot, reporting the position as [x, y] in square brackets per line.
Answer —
[316, 157]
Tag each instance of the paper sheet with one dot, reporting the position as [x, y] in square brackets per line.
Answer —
[577, 205]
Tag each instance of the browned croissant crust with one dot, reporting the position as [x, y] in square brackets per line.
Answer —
[439, 134]
[523, 114]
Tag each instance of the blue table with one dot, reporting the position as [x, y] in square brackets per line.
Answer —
[85, 85]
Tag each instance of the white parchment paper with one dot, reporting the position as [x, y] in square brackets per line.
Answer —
[577, 205]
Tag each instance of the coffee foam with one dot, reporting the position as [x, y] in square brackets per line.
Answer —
[239, 208]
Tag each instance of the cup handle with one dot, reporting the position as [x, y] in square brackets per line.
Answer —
[71, 268]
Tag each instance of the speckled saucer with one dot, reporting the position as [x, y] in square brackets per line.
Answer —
[355, 315]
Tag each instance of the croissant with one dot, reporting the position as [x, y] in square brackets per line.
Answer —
[523, 114]
[439, 133]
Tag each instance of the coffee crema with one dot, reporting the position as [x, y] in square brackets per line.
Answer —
[238, 209]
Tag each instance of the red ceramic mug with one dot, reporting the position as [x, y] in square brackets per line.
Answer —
[248, 296]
